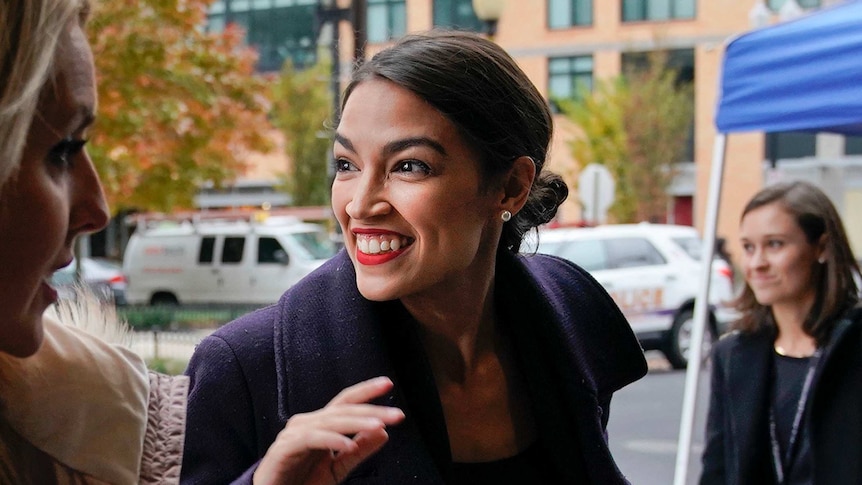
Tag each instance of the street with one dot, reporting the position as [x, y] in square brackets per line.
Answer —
[644, 425]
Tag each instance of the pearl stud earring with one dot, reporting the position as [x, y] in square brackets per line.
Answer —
[506, 216]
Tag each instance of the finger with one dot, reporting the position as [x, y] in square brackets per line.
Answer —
[347, 418]
[386, 414]
[335, 423]
[367, 443]
[364, 391]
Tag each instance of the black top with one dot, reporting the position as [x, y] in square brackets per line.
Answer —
[789, 377]
[532, 465]
[555, 458]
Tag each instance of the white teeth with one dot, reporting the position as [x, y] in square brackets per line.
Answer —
[377, 245]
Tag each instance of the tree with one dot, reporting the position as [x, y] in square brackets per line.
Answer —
[302, 105]
[637, 125]
[178, 106]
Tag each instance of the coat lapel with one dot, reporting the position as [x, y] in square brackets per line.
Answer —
[747, 397]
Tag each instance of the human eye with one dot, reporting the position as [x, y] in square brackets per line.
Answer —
[775, 243]
[63, 153]
[343, 165]
[748, 247]
[413, 167]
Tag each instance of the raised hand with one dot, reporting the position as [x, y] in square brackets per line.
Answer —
[322, 447]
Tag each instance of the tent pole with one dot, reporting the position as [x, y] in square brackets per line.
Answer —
[701, 308]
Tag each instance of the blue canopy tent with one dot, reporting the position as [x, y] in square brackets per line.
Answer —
[801, 75]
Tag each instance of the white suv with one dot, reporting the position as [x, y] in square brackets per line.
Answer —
[652, 272]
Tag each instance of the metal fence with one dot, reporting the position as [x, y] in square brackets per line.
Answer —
[157, 344]
[173, 332]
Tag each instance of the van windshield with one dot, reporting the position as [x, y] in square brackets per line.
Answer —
[316, 244]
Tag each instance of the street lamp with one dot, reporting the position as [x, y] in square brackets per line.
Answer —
[489, 11]
[329, 16]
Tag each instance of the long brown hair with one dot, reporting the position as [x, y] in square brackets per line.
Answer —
[835, 284]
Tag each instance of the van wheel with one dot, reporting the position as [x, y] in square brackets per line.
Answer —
[163, 299]
[679, 340]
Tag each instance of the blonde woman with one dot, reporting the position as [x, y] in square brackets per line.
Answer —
[73, 407]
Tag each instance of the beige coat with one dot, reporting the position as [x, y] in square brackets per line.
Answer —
[86, 407]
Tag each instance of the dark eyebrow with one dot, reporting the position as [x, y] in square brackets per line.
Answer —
[345, 142]
[398, 145]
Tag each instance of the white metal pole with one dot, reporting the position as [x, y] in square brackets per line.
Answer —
[701, 308]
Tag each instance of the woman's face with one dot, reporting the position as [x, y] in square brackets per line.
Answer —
[407, 195]
[55, 196]
[778, 260]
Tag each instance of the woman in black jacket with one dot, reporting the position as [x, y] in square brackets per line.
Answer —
[787, 385]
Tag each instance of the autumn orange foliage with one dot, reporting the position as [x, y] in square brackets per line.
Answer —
[178, 106]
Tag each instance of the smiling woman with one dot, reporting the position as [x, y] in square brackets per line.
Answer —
[786, 388]
[497, 367]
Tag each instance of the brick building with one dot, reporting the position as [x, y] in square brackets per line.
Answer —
[561, 43]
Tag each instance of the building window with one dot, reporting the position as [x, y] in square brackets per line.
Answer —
[641, 10]
[569, 13]
[456, 14]
[387, 20]
[784, 145]
[775, 5]
[277, 29]
[567, 76]
[853, 145]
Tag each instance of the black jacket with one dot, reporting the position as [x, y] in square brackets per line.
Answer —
[737, 434]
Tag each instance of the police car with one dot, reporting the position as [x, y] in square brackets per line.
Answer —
[652, 271]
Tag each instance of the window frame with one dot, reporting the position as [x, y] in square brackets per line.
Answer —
[574, 20]
[775, 5]
[452, 6]
[644, 12]
[390, 9]
[573, 76]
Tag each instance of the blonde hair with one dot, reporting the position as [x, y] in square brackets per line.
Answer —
[29, 33]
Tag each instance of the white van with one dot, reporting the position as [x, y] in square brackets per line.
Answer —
[234, 261]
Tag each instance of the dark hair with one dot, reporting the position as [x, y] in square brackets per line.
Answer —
[836, 288]
[493, 104]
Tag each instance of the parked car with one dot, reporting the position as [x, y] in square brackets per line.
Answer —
[652, 271]
[103, 276]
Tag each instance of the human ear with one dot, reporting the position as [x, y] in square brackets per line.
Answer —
[517, 184]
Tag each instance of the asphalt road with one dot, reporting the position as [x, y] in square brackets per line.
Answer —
[644, 425]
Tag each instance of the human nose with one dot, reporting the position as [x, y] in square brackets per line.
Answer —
[368, 199]
[89, 212]
[756, 258]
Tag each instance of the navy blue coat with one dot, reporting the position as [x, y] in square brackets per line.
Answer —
[250, 376]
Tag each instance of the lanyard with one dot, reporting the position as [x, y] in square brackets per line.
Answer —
[797, 420]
